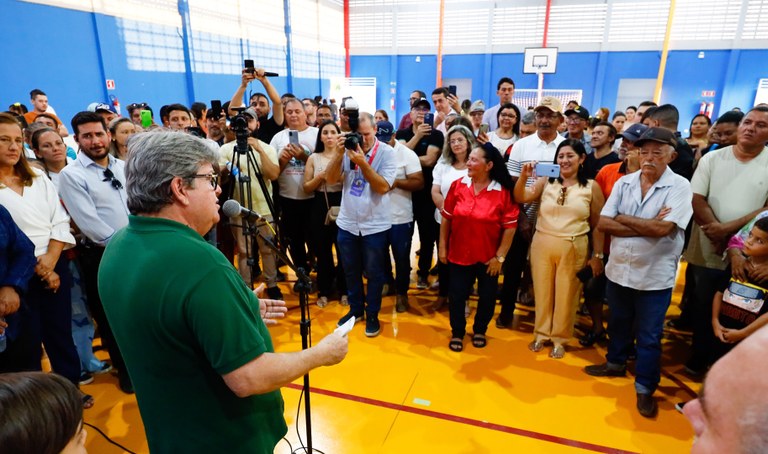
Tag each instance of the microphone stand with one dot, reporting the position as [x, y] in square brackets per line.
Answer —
[304, 286]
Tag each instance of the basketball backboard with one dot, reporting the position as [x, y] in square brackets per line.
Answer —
[540, 60]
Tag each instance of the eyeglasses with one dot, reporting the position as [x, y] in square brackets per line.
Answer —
[109, 176]
[214, 178]
[457, 141]
[141, 105]
[420, 109]
[561, 199]
[573, 119]
[7, 141]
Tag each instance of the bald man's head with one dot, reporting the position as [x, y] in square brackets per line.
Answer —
[731, 414]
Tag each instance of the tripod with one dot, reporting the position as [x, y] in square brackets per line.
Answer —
[304, 286]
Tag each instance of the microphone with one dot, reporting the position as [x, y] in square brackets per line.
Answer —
[269, 74]
[233, 209]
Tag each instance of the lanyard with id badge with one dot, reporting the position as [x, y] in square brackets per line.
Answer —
[358, 182]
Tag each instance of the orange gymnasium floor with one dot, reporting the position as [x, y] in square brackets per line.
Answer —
[406, 392]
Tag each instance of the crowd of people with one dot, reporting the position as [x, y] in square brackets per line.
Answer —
[563, 204]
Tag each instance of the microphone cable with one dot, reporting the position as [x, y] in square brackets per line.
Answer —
[107, 438]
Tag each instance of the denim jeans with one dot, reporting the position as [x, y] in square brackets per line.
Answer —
[400, 237]
[360, 253]
[462, 278]
[640, 312]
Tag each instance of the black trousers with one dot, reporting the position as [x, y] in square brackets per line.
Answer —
[44, 317]
[429, 230]
[324, 238]
[90, 259]
[513, 267]
[295, 227]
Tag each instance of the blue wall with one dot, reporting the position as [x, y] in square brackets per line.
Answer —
[732, 74]
[56, 50]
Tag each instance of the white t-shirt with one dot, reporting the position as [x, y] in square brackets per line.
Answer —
[733, 189]
[400, 199]
[501, 144]
[291, 179]
[444, 175]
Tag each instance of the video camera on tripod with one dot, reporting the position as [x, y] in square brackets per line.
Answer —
[239, 124]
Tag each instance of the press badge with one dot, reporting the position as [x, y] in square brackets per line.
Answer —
[358, 184]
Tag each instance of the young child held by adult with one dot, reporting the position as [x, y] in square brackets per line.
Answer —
[740, 308]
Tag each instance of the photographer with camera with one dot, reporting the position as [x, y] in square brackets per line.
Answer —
[268, 126]
[367, 171]
[265, 158]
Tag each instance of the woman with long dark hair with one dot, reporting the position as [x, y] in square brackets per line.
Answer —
[479, 222]
[329, 143]
[570, 208]
[698, 137]
[34, 204]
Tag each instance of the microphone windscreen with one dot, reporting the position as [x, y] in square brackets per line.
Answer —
[231, 208]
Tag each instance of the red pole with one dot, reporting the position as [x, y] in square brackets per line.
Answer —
[346, 38]
[546, 23]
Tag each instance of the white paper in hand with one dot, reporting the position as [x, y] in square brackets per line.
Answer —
[346, 327]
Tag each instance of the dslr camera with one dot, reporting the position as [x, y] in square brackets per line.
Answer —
[352, 109]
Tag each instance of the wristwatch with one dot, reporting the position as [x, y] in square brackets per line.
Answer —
[598, 255]
[500, 258]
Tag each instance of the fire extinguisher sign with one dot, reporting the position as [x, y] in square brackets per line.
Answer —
[110, 84]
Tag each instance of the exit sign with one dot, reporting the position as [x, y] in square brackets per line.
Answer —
[708, 93]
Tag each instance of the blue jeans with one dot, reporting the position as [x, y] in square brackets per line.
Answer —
[367, 253]
[82, 325]
[462, 278]
[400, 237]
[640, 312]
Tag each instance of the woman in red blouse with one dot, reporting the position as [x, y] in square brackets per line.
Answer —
[479, 221]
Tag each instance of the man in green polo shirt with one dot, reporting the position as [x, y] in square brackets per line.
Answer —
[192, 333]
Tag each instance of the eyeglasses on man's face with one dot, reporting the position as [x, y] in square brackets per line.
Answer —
[212, 177]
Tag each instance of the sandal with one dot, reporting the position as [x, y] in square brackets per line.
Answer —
[479, 340]
[558, 351]
[536, 346]
[87, 400]
[456, 344]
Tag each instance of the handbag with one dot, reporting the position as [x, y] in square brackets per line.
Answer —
[333, 211]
